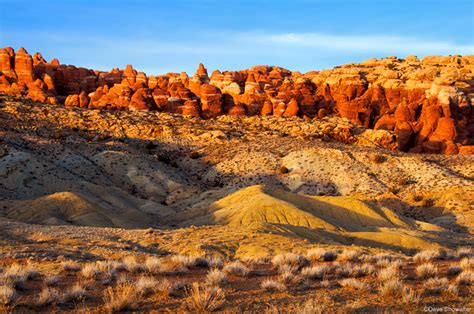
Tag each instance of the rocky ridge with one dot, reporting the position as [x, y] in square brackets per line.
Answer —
[427, 103]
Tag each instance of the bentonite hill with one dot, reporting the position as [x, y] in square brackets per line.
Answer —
[260, 190]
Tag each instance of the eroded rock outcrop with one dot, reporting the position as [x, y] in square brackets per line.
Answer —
[427, 103]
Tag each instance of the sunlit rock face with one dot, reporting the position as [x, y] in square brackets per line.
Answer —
[427, 103]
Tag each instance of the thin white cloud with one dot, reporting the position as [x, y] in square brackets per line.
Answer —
[368, 43]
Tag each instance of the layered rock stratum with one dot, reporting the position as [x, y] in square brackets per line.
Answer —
[427, 103]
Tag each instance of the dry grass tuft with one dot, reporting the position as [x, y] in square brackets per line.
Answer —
[343, 270]
[427, 255]
[47, 296]
[388, 273]
[52, 280]
[145, 285]
[354, 284]
[320, 254]
[364, 270]
[216, 277]
[16, 276]
[216, 262]
[237, 268]
[71, 266]
[153, 265]
[392, 288]
[272, 285]
[291, 259]
[314, 272]
[410, 296]
[90, 271]
[75, 293]
[121, 297]
[434, 286]
[7, 294]
[205, 299]
[427, 270]
[466, 278]
[465, 251]
[350, 256]
[132, 264]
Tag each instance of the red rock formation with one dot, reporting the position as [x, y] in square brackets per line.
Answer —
[427, 103]
[24, 66]
[211, 100]
[292, 109]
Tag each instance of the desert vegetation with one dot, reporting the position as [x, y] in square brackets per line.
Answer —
[211, 283]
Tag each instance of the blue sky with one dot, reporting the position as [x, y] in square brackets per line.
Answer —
[164, 36]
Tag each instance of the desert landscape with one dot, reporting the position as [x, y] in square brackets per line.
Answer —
[341, 189]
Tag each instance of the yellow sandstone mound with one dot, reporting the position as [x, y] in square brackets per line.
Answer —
[67, 208]
[335, 220]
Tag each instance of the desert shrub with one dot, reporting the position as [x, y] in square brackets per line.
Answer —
[215, 277]
[343, 270]
[237, 268]
[465, 251]
[391, 288]
[272, 285]
[90, 271]
[52, 280]
[466, 278]
[175, 289]
[145, 285]
[287, 277]
[364, 270]
[286, 268]
[410, 296]
[75, 293]
[132, 264]
[216, 262]
[314, 272]
[350, 255]
[110, 266]
[205, 299]
[153, 265]
[47, 296]
[312, 306]
[71, 266]
[454, 270]
[183, 260]
[388, 273]
[16, 275]
[354, 284]
[119, 298]
[427, 255]
[427, 270]
[434, 286]
[32, 272]
[453, 290]
[320, 254]
[291, 259]
[201, 262]
[7, 294]
[325, 283]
